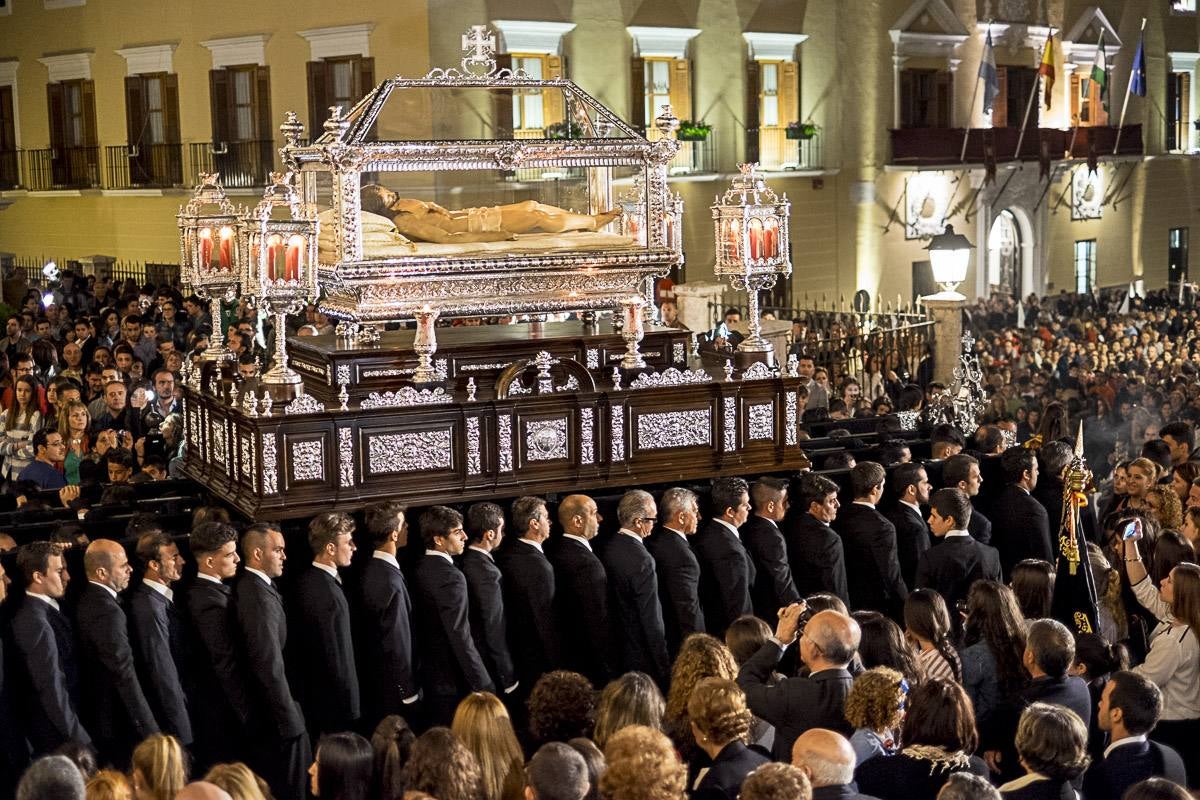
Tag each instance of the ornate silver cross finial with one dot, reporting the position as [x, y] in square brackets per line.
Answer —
[479, 47]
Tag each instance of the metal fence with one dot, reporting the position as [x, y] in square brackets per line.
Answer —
[778, 152]
[32, 270]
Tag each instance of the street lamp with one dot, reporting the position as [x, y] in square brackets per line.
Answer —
[949, 255]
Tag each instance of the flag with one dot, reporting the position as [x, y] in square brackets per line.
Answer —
[1074, 600]
[1048, 69]
[1099, 75]
[991, 78]
[1137, 78]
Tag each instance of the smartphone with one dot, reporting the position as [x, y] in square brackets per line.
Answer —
[1130, 529]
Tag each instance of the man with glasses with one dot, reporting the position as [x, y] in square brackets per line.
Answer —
[49, 449]
[633, 590]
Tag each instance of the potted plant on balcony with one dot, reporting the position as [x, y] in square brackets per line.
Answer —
[564, 130]
[693, 131]
[800, 130]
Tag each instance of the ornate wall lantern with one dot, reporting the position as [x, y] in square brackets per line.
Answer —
[751, 228]
[210, 257]
[281, 263]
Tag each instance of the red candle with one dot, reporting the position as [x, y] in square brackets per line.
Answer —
[295, 246]
[206, 247]
[771, 240]
[755, 239]
[226, 255]
[733, 244]
[274, 247]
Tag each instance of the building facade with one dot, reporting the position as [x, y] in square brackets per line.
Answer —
[857, 110]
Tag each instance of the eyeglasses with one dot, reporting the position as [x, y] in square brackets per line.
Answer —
[646, 519]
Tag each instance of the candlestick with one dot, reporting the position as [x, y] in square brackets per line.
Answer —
[632, 333]
[274, 254]
[226, 253]
[206, 247]
[425, 345]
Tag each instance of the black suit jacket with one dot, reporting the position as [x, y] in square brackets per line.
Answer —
[46, 645]
[726, 574]
[114, 705]
[979, 526]
[773, 587]
[633, 607]
[581, 598]
[219, 699]
[326, 677]
[158, 644]
[1000, 730]
[1021, 527]
[678, 576]
[793, 705]
[263, 626]
[816, 555]
[14, 751]
[529, 609]
[729, 769]
[1107, 779]
[869, 543]
[954, 564]
[485, 591]
[385, 622]
[450, 664]
[912, 540]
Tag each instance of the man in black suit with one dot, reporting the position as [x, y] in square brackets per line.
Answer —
[327, 680]
[869, 543]
[678, 571]
[1049, 655]
[388, 676]
[529, 592]
[14, 753]
[581, 590]
[1021, 525]
[1053, 459]
[814, 550]
[485, 590]
[284, 750]
[911, 484]
[157, 633]
[46, 644]
[114, 706]
[828, 760]
[635, 615]
[793, 705]
[773, 587]
[962, 472]
[219, 700]
[958, 560]
[1129, 709]
[450, 664]
[726, 571]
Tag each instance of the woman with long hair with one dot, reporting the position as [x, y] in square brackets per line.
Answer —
[21, 421]
[927, 625]
[875, 707]
[392, 743]
[1032, 582]
[720, 723]
[632, 699]
[1140, 477]
[1171, 549]
[1163, 504]
[240, 781]
[884, 645]
[700, 656]
[159, 768]
[1182, 476]
[994, 635]
[341, 767]
[1173, 662]
[482, 723]
[74, 422]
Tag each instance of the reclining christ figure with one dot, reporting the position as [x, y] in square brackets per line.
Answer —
[429, 222]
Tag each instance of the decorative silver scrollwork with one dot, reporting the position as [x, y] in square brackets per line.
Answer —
[220, 445]
[304, 404]
[790, 416]
[670, 377]
[587, 452]
[593, 358]
[670, 429]
[270, 476]
[418, 451]
[407, 396]
[908, 419]
[504, 443]
[346, 456]
[308, 460]
[730, 424]
[758, 371]
[760, 421]
[618, 433]
[546, 439]
[679, 353]
[474, 460]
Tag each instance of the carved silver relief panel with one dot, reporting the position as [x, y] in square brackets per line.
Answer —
[661, 431]
[270, 476]
[546, 439]
[504, 443]
[474, 460]
[246, 460]
[308, 460]
[587, 449]
[346, 456]
[593, 358]
[419, 451]
[790, 418]
[618, 433]
[730, 424]
[678, 353]
[760, 421]
[220, 445]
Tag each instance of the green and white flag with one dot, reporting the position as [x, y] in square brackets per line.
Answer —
[1099, 74]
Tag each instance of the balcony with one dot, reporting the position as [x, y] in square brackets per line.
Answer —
[243, 165]
[777, 152]
[932, 147]
[695, 157]
[156, 166]
[61, 168]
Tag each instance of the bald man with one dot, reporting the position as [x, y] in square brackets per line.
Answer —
[828, 760]
[817, 700]
[202, 790]
[114, 707]
[582, 589]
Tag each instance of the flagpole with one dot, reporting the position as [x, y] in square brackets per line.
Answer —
[1029, 106]
[1128, 88]
[971, 109]
[1075, 132]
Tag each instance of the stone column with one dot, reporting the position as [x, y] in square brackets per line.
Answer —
[945, 310]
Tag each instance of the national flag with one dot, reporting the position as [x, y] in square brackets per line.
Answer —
[1099, 75]
[1074, 599]
[991, 78]
[1137, 78]
[1048, 69]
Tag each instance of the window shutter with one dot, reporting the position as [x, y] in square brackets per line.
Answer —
[135, 109]
[57, 108]
[1000, 109]
[637, 94]
[681, 89]
[789, 92]
[552, 99]
[8, 123]
[87, 102]
[364, 73]
[1185, 96]
[170, 106]
[220, 96]
[908, 90]
[945, 97]
[262, 103]
[318, 98]
[753, 122]
[1075, 89]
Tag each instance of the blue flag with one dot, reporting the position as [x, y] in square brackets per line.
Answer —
[987, 71]
[1137, 78]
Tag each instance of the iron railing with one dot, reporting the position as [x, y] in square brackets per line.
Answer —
[61, 168]
[778, 152]
[695, 157]
[143, 166]
[243, 165]
[31, 269]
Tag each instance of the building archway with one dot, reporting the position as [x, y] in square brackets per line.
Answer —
[1010, 254]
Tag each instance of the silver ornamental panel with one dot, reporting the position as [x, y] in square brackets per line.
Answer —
[761, 421]
[662, 431]
[587, 448]
[504, 435]
[220, 445]
[308, 460]
[546, 439]
[790, 418]
[270, 466]
[346, 456]
[618, 433]
[420, 451]
[730, 426]
[474, 460]
[678, 353]
[246, 459]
